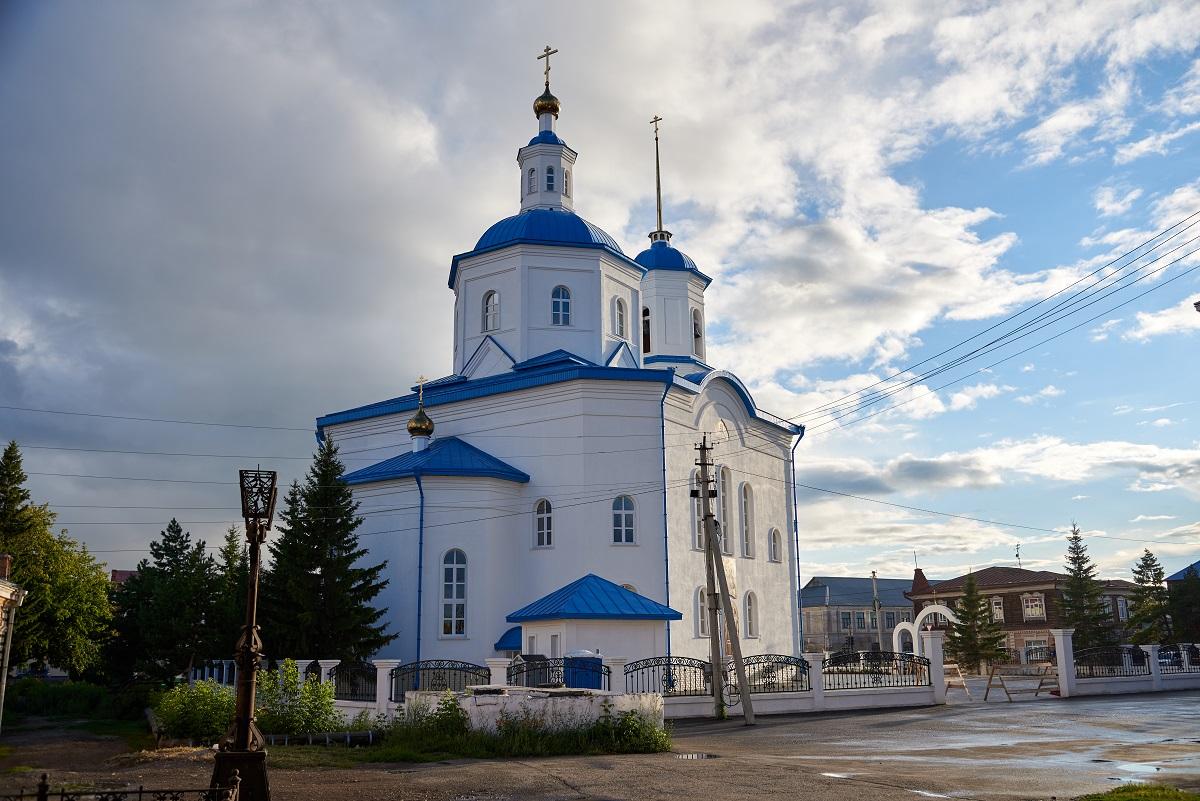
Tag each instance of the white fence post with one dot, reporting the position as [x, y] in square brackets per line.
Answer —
[1155, 668]
[816, 680]
[498, 665]
[326, 666]
[616, 677]
[383, 683]
[932, 644]
[1064, 654]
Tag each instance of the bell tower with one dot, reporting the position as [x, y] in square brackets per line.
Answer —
[547, 164]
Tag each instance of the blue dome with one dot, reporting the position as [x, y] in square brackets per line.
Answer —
[546, 226]
[546, 138]
[661, 256]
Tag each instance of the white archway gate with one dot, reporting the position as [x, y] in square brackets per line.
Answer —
[914, 628]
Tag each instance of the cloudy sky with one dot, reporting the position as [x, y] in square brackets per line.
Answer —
[244, 213]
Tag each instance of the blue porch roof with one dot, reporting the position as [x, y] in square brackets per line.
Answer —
[594, 598]
[509, 640]
[447, 456]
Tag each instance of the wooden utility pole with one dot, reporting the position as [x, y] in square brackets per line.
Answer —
[717, 565]
[710, 587]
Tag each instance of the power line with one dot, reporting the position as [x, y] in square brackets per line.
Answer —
[155, 419]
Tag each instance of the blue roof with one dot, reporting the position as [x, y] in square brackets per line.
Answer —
[661, 256]
[543, 227]
[509, 640]
[1179, 574]
[594, 598]
[447, 456]
[547, 138]
[554, 357]
[852, 591]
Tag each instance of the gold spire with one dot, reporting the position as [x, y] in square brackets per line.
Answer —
[658, 233]
[421, 425]
[546, 103]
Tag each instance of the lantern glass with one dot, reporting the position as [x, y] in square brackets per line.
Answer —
[258, 494]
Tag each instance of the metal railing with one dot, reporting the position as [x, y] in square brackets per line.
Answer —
[436, 675]
[669, 675]
[857, 670]
[773, 673]
[578, 672]
[1171, 658]
[1110, 661]
[313, 668]
[43, 793]
[353, 681]
[1040, 653]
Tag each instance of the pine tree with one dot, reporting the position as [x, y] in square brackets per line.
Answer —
[233, 574]
[1084, 606]
[318, 593]
[66, 611]
[1150, 619]
[1185, 606]
[975, 637]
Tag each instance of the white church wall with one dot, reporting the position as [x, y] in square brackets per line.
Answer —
[621, 282]
[492, 272]
[671, 295]
[629, 639]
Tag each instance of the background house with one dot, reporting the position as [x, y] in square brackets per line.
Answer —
[838, 612]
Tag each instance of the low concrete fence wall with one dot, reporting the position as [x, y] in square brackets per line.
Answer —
[553, 708]
[1123, 669]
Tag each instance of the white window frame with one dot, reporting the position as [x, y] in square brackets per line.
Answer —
[746, 501]
[750, 615]
[846, 621]
[550, 178]
[560, 306]
[1030, 599]
[619, 318]
[697, 513]
[697, 334]
[554, 646]
[997, 605]
[531, 644]
[889, 620]
[701, 612]
[1122, 608]
[624, 530]
[645, 329]
[724, 482]
[860, 620]
[531, 186]
[566, 183]
[456, 601]
[491, 311]
[543, 524]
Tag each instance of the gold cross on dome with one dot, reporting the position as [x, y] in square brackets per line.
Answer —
[657, 119]
[546, 55]
[421, 390]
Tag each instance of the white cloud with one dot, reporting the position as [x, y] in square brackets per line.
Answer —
[1109, 205]
[1122, 409]
[1100, 332]
[1146, 518]
[1046, 392]
[967, 397]
[1183, 99]
[1029, 368]
[1158, 143]
[1173, 320]
[1161, 422]
[1080, 497]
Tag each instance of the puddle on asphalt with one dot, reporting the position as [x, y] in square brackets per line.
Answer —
[928, 794]
[838, 775]
[1137, 767]
[696, 755]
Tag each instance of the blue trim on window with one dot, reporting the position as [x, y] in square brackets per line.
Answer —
[474, 353]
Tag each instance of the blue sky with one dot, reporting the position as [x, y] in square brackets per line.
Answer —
[868, 183]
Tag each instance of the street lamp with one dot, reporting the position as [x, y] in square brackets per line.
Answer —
[241, 749]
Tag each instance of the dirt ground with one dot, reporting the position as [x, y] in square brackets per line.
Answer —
[1032, 749]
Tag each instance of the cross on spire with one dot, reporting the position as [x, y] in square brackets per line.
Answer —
[657, 172]
[421, 390]
[546, 55]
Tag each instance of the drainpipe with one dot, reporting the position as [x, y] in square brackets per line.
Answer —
[796, 542]
[666, 530]
[420, 567]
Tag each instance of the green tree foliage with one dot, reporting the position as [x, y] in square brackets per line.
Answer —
[317, 595]
[199, 711]
[165, 611]
[66, 612]
[291, 704]
[232, 577]
[1150, 619]
[976, 637]
[1084, 606]
[1185, 607]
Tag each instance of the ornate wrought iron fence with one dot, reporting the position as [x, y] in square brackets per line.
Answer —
[856, 670]
[772, 673]
[580, 672]
[313, 668]
[353, 681]
[669, 675]
[436, 675]
[1040, 653]
[1010, 656]
[1111, 661]
[1171, 658]
[43, 793]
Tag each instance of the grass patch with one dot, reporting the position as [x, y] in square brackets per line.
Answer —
[18, 769]
[136, 734]
[1142, 792]
[299, 757]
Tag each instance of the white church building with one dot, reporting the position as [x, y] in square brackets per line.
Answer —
[537, 498]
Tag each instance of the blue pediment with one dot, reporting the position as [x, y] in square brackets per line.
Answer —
[594, 598]
[445, 456]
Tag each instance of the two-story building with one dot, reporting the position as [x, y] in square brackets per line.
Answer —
[839, 612]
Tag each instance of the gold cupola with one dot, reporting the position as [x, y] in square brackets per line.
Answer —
[420, 425]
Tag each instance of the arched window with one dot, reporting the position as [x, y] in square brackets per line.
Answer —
[567, 183]
[751, 615]
[619, 318]
[701, 612]
[645, 330]
[531, 186]
[622, 517]
[543, 525]
[697, 334]
[775, 546]
[491, 311]
[560, 306]
[454, 593]
[549, 179]
[747, 503]
[725, 503]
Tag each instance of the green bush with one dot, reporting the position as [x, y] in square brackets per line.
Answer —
[289, 705]
[39, 697]
[200, 711]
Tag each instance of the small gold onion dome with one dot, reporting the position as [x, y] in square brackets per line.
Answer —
[545, 102]
[420, 425]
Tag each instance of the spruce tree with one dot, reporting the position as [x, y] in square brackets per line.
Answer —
[975, 637]
[232, 577]
[1084, 606]
[319, 591]
[1185, 607]
[1150, 618]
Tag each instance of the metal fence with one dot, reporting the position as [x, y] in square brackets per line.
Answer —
[579, 672]
[353, 681]
[773, 673]
[1035, 654]
[669, 675]
[312, 669]
[1171, 658]
[43, 792]
[1111, 661]
[436, 675]
[856, 670]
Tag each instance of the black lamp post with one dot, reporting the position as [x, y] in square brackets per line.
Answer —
[242, 746]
